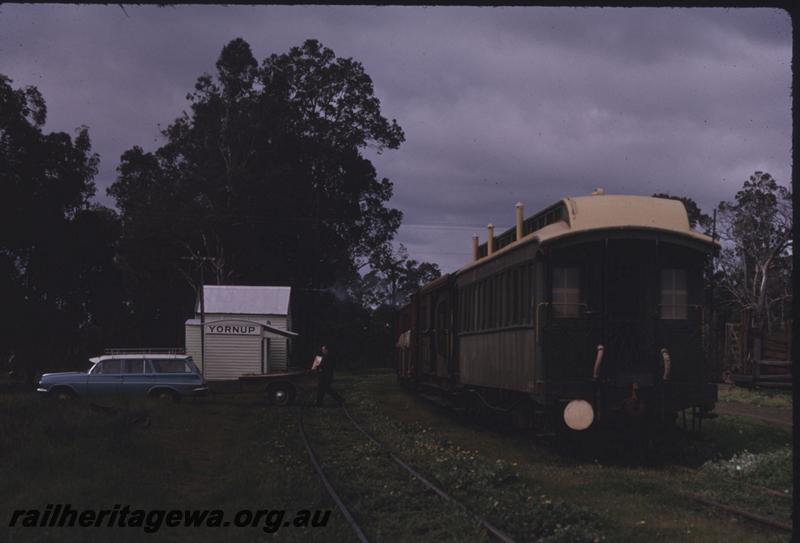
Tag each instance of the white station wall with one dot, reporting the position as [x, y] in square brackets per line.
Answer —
[278, 345]
[193, 344]
[230, 356]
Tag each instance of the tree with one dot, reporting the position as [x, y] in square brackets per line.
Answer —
[394, 278]
[696, 216]
[756, 230]
[265, 175]
[366, 308]
[56, 248]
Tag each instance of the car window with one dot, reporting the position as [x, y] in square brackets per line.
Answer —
[110, 366]
[134, 366]
[192, 365]
[170, 366]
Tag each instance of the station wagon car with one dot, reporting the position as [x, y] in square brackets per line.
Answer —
[166, 376]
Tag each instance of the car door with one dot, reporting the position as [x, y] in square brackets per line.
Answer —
[173, 373]
[135, 378]
[105, 379]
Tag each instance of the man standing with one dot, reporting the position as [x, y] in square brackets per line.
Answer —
[326, 366]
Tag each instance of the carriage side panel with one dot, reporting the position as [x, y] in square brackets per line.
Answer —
[499, 360]
[496, 338]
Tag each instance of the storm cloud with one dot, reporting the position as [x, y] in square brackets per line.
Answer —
[499, 105]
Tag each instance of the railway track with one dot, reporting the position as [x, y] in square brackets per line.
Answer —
[326, 482]
[746, 514]
[341, 502]
[743, 513]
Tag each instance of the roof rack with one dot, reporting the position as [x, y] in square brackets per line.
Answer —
[156, 350]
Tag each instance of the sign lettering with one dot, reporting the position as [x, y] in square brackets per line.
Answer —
[234, 329]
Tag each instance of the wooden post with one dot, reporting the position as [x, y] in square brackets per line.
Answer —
[202, 322]
[520, 210]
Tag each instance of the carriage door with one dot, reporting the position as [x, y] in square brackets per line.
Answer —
[627, 327]
[566, 338]
[442, 336]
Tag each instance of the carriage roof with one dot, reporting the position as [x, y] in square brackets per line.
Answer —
[614, 211]
[602, 212]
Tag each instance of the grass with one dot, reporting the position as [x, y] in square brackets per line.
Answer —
[634, 501]
[230, 453]
[234, 452]
[493, 488]
[388, 503]
[759, 397]
[770, 469]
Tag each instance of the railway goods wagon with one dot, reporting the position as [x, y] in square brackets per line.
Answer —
[590, 311]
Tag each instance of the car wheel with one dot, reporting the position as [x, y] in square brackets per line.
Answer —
[165, 395]
[280, 394]
[63, 394]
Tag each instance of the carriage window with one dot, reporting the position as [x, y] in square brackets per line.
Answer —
[673, 294]
[441, 328]
[566, 292]
[424, 317]
[466, 307]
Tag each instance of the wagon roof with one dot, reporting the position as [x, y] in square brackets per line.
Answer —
[610, 212]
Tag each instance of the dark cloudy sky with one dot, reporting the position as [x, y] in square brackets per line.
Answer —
[498, 104]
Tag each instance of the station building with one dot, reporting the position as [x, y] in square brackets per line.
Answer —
[247, 331]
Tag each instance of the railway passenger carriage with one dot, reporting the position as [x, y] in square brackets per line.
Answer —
[591, 310]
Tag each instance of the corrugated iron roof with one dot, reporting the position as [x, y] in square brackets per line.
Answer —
[245, 300]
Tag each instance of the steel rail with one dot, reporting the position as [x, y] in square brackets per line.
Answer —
[493, 530]
[759, 488]
[774, 523]
[328, 486]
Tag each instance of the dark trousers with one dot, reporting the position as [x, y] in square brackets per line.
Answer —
[324, 387]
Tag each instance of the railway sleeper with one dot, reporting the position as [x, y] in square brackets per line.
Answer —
[372, 485]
